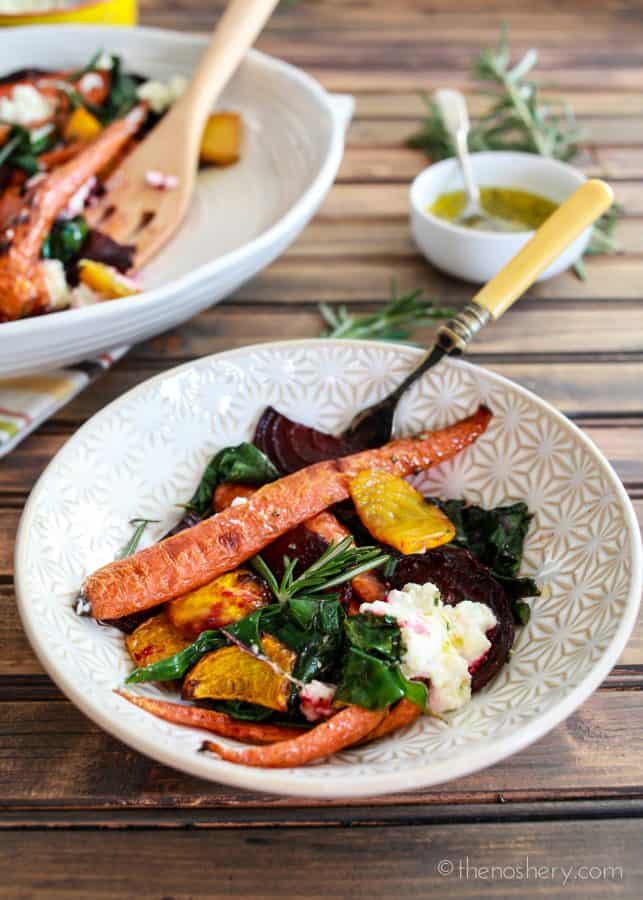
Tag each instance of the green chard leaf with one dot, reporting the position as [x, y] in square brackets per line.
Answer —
[244, 463]
[496, 537]
[374, 684]
[176, 666]
[65, 240]
[122, 95]
[377, 635]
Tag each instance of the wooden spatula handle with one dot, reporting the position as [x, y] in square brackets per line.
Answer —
[235, 33]
[571, 218]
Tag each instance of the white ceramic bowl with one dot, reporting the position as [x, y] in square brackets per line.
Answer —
[478, 255]
[242, 217]
[144, 453]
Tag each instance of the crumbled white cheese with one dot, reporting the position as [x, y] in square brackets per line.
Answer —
[161, 95]
[440, 641]
[239, 501]
[56, 283]
[316, 699]
[25, 106]
[90, 81]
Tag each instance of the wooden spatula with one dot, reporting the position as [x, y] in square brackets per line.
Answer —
[134, 212]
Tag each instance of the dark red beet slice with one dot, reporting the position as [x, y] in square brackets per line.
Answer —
[459, 576]
[291, 446]
[307, 547]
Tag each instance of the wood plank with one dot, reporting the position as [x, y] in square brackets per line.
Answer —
[593, 104]
[391, 238]
[597, 752]
[298, 281]
[355, 201]
[321, 863]
[392, 132]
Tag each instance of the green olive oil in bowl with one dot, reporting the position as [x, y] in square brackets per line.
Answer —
[516, 209]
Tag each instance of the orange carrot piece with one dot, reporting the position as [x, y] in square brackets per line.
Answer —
[345, 728]
[210, 720]
[216, 545]
[367, 585]
[403, 713]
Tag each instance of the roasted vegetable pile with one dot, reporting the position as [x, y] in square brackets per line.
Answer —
[280, 643]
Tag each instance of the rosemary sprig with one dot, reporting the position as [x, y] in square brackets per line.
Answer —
[139, 527]
[338, 563]
[393, 322]
[517, 120]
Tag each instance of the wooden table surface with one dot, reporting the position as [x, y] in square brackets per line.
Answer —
[84, 816]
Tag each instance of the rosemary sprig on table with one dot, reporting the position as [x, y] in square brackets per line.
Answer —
[338, 564]
[516, 120]
[395, 321]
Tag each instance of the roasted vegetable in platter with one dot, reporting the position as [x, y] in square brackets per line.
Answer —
[323, 639]
[61, 135]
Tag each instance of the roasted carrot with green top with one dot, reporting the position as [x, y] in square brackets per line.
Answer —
[216, 545]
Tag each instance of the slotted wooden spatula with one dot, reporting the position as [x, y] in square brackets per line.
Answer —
[132, 211]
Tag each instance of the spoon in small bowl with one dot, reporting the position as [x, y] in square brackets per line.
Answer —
[453, 107]
[372, 427]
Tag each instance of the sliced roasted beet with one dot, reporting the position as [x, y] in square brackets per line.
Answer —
[101, 248]
[292, 446]
[306, 547]
[459, 576]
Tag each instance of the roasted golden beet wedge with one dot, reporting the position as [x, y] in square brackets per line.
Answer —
[398, 515]
[227, 599]
[234, 674]
[154, 640]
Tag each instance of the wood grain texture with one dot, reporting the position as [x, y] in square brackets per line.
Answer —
[242, 864]
[597, 752]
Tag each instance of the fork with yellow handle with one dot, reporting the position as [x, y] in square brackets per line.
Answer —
[372, 426]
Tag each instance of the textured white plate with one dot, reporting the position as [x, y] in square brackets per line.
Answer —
[241, 218]
[144, 453]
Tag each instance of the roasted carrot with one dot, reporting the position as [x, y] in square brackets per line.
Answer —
[197, 555]
[346, 727]
[210, 720]
[52, 158]
[22, 286]
[403, 713]
[228, 491]
[367, 585]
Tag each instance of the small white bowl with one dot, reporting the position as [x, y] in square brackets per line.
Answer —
[478, 255]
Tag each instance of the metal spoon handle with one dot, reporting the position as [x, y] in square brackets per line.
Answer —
[453, 108]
